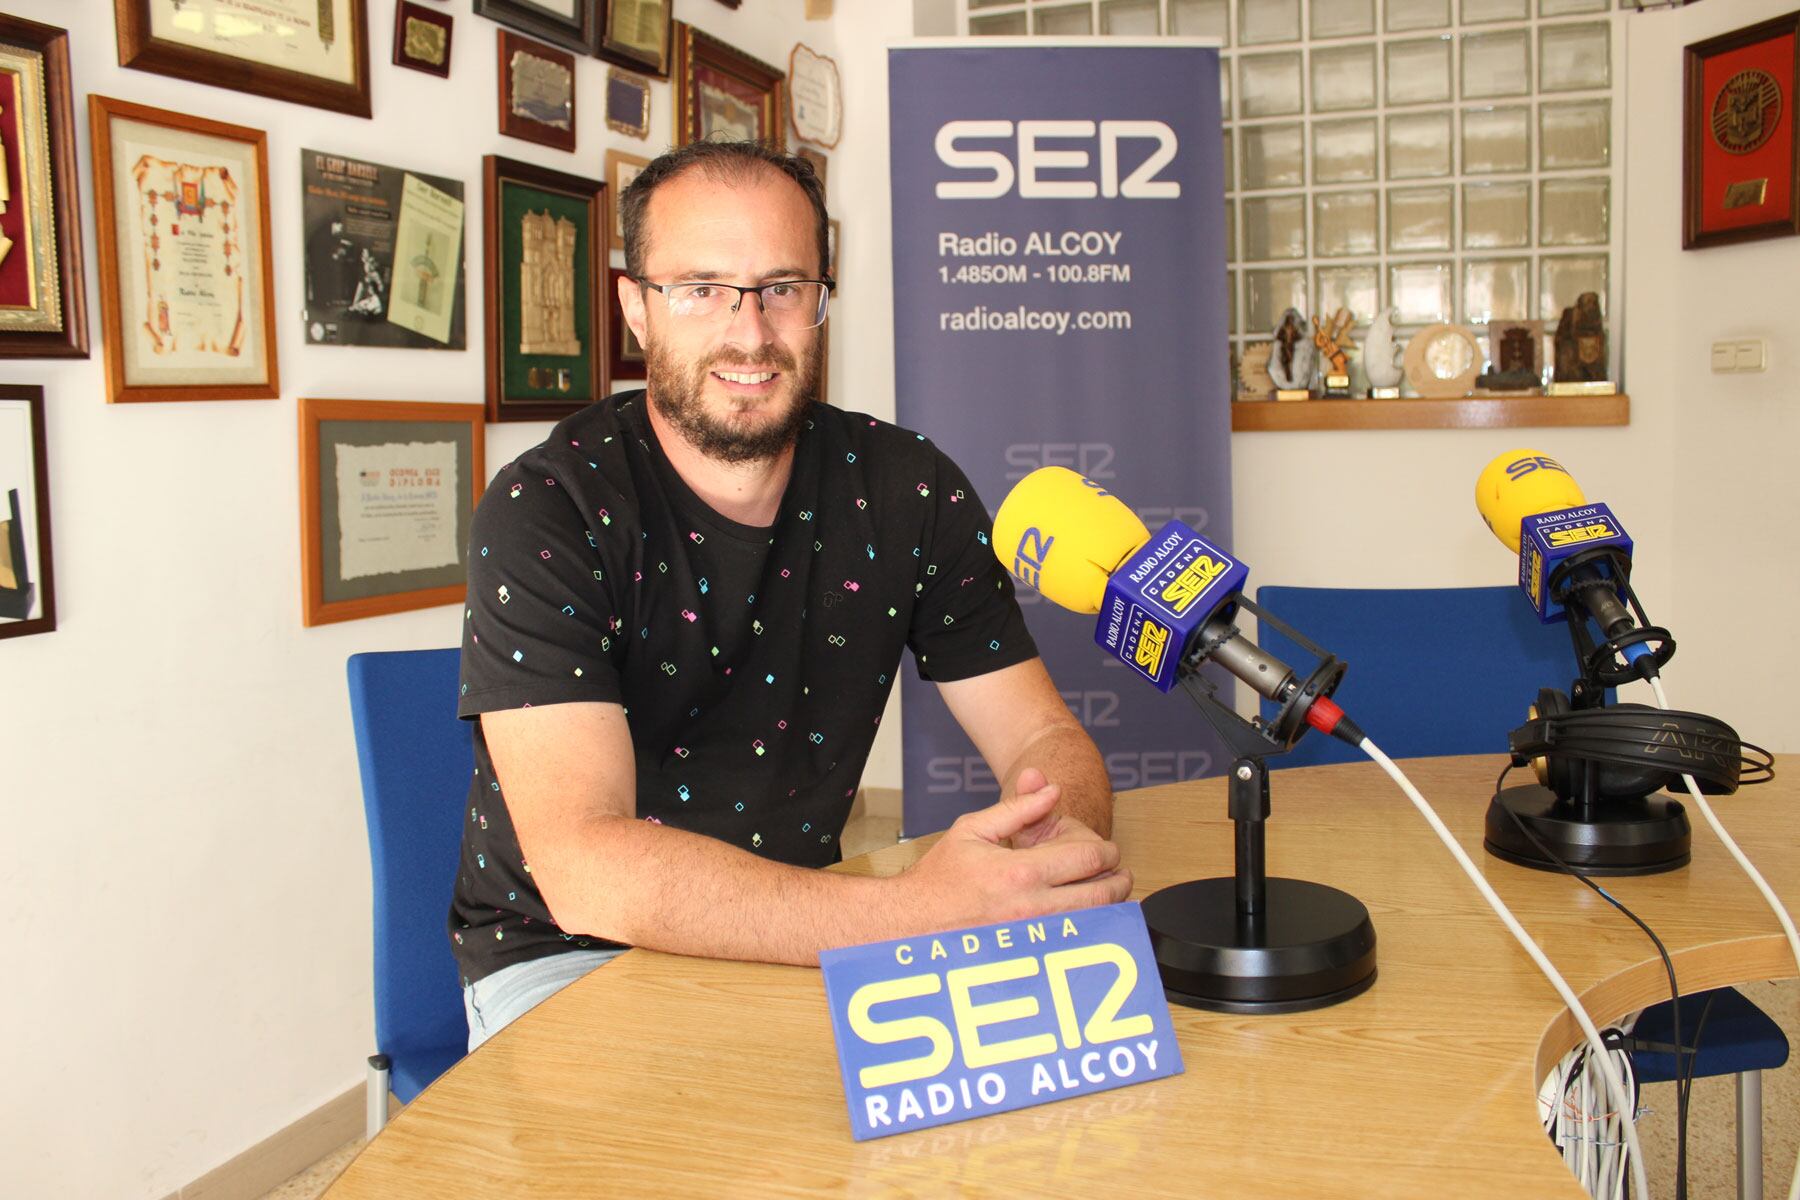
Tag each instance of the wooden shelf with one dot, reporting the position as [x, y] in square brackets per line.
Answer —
[1471, 413]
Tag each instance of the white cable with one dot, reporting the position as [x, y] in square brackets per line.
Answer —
[1622, 1098]
[1762, 885]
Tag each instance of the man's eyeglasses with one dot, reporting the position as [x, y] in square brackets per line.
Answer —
[791, 304]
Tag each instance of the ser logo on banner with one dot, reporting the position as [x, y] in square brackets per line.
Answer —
[956, 1025]
[1033, 141]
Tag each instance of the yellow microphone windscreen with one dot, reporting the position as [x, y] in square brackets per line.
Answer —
[1520, 484]
[1064, 536]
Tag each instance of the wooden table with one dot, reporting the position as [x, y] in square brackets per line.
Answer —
[662, 1075]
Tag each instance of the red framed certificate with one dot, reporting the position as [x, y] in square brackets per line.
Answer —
[1739, 180]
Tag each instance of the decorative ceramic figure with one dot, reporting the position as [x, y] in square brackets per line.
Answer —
[1581, 342]
[1515, 350]
[1291, 363]
[1381, 356]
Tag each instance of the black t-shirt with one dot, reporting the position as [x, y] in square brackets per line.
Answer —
[753, 664]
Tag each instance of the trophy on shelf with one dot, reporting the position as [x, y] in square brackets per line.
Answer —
[1332, 339]
[1516, 350]
[1381, 357]
[1581, 351]
[1291, 361]
[1253, 380]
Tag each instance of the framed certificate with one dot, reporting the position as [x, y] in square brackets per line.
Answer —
[566, 23]
[544, 247]
[308, 51]
[625, 356]
[43, 290]
[637, 34]
[387, 493]
[384, 255]
[537, 92]
[621, 169]
[187, 297]
[722, 92]
[627, 103]
[422, 38]
[27, 594]
[815, 97]
[1741, 152]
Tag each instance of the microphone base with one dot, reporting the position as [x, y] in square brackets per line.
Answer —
[1645, 836]
[1313, 946]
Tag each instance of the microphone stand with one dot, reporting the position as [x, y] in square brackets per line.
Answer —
[1249, 943]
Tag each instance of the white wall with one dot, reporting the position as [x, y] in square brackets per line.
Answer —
[185, 866]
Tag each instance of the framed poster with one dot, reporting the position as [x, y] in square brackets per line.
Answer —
[722, 92]
[1740, 169]
[627, 103]
[637, 34]
[387, 493]
[625, 356]
[815, 96]
[384, 255]
[537, 92]
[570, 24]
[544, 247]
[621, 169]
[187, 297]
[422, 38]
[43, 290]
[308, 51]
[27, 593]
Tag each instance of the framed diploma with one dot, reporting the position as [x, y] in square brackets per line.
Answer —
[1741, 152]
[537, 92]
[384, 255]
[637, 34]
[43, 290]
[567, 23]
[308, 51]
[721, 92]
[187, 297]
[621, 169]
[625, 356]
[422, 38]
[815, 97]
[387, 493]
[544, 247]
[27, 597]
[627, 103]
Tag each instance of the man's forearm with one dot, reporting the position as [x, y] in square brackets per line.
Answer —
[1068, 758]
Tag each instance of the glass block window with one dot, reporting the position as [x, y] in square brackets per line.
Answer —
[1456, 160]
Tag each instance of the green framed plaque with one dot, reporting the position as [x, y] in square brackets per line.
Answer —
[545, 246]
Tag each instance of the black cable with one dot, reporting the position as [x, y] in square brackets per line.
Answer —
[1681, 1105]
[1694, 1050]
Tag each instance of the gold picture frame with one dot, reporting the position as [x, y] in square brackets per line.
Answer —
[43, 288]
[722, 92]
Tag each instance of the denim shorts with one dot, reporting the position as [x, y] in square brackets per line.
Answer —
[496, 1001]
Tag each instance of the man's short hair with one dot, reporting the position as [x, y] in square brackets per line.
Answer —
[730, 162]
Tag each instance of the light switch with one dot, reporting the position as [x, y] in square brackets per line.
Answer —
[1752, 355]
[1724, 357]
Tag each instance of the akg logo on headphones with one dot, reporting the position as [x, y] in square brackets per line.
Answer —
[1521, 467]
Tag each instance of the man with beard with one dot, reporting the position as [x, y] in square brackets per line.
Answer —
[686, 611]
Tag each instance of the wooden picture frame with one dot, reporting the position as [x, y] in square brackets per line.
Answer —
[222, 347]
[580, 33]
[627, 103]
[537, 92]
[621, 169]
[625, 357]
[1741, 136]
[833, 239]
[381, 528]
[27, 572]
[422, 38]
[548, 363]
[817, 159]
[721, 91]
[637, 34]
[43, 288]
[338, 79]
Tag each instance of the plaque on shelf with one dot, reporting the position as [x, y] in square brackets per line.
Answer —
[1442, 362]
[1384, 393]
[1594, 387]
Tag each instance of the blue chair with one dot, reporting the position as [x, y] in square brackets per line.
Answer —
[1450, 671]
[416, 759]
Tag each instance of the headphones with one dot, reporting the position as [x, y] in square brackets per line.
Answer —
[1631, 750]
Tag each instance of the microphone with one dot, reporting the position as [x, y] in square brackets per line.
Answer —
[1165, 601]
[1573, 554]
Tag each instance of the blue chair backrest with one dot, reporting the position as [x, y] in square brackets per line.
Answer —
[1432, 670]
[416, 759]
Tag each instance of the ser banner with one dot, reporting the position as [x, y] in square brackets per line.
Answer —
[1059, 299]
